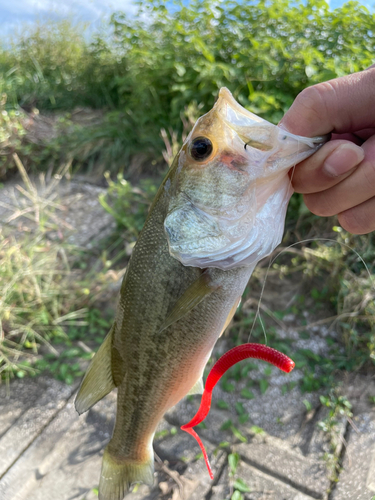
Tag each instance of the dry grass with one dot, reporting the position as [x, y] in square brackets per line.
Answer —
[39, 290]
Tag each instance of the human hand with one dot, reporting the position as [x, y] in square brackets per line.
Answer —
[339, 179]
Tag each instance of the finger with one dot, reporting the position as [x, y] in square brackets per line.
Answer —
[347, 137]
[358, 137]
[359, 219]
[355, 189]
[341, 105]
[327, 167]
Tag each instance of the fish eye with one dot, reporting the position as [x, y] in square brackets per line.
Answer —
[200, 148]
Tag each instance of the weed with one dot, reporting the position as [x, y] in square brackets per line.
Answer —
[237, 485]
[263, 385]
[228, 425]
[96, 326]
[223, 405]
[166, 432]
[128, 204]
[257, 430]
[245, 393]
[339, 408]
[12, 133]
[63, 367]
[39, 290]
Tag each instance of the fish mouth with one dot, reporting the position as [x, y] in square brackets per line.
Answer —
[265, 143]
[256, 131]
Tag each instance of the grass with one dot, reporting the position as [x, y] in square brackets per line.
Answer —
[44, 294]
[338, 410]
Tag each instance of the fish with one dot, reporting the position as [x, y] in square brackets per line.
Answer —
[219, 210]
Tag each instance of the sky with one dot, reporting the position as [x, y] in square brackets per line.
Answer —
[13, 13]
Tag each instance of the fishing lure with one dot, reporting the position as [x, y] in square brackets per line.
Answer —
[230, 358]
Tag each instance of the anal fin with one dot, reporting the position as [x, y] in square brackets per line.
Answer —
[197, 388]
[98, 380]
[193, 296]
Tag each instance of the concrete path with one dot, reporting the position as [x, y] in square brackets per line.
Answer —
[48, 452]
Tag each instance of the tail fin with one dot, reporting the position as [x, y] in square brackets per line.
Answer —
[117, 476]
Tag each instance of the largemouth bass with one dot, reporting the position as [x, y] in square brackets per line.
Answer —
[219, 210]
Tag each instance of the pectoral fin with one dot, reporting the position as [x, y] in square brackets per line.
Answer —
[193, 296]
[98, 380]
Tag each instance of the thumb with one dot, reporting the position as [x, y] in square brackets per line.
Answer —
[332, 163]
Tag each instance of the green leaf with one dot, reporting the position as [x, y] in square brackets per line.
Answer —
[181, 70]
[224, 444]
[268, 371]
[257, 430]
[227, 386]
[240, 485]
[239, 408]
[307, 405]
[236, 496]
[226, 425]
[248, 367]
[263, 384]
[243, 418]
[245, 393]
[233, 461]
[223, 405]
[238, 434]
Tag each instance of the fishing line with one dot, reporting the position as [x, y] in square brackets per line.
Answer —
[264, 284]
[308, 240]
[261, 324]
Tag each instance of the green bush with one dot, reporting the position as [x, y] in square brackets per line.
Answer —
[148, 68]
[52, 66]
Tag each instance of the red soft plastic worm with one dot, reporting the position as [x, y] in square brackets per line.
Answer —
[230, 358]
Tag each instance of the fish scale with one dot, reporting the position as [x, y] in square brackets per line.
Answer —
[155, 369]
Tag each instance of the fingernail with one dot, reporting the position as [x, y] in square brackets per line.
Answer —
[282, 126]
[343, 159]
